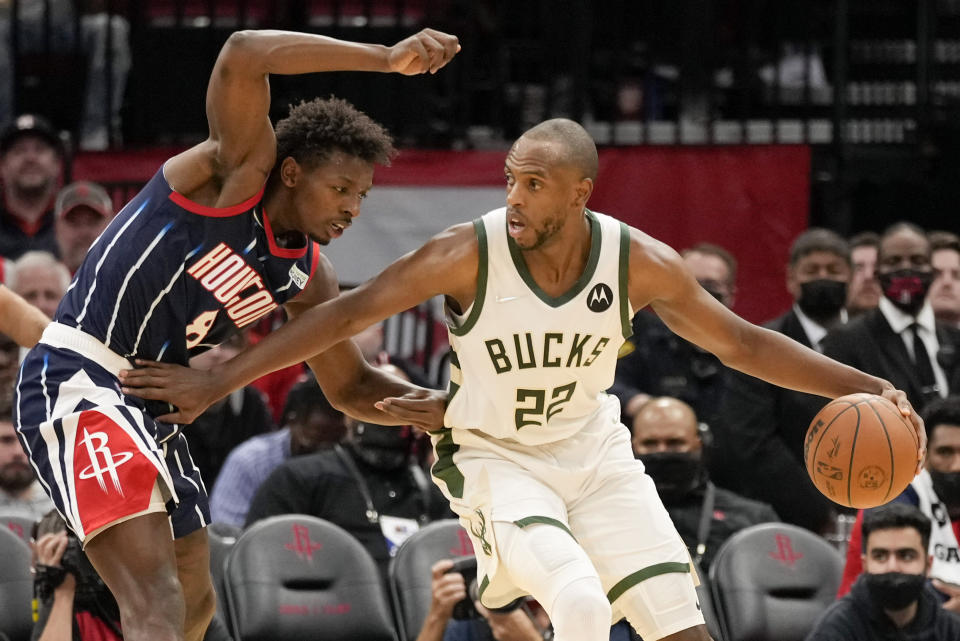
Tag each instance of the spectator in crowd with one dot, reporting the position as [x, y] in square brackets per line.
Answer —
[900, 340]
[309, 422]
[528, 623]
[936, 492]
[72, 600]
[231, 420]
[759, 438]
[73, 603]
[370, 486]
[82, 211]
[945, 288]
[103, 39]
[864, 291]
[31, 162]
[9, 366]
[20, 492]
[669, 440]
[657, 362]
[891, 599]
[40, 279]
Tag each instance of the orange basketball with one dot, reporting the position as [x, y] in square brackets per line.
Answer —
[860, 451]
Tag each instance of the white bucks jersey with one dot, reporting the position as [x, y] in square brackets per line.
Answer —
[528, 366]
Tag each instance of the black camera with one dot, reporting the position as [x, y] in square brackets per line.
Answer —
[467, 566]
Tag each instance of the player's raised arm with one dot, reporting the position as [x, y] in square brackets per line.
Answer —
[241, 147]
[447, 265]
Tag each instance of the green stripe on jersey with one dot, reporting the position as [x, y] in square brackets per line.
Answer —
[625, 324]
[642, 575]
[481, 294]
[444, 468]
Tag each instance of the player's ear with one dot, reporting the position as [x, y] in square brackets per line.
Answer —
[583, 190]
[290, 171]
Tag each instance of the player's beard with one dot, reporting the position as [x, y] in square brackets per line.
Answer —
[15, 476]
[550, 228]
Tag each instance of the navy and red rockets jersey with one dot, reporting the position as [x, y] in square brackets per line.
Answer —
[169, 278]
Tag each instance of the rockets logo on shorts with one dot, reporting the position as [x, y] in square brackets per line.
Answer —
[103, 461]
[112, 477]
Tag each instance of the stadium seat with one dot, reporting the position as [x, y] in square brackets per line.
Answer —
[19, 525]
[410, 577]
[16, 587]
[295, 577]
[772, 581]
[222, 536]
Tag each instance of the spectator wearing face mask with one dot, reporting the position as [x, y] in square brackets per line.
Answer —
[936, 492]
[371, 485]
[901, 340]
[891, 599]
[669, 441]
[759, 437]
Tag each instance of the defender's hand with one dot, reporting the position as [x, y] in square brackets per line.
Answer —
[191, 391]
[423, 409]
[426, 51]
[953, 594]
[899, 398]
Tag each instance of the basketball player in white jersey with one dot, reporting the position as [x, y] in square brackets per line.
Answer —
[533, 459]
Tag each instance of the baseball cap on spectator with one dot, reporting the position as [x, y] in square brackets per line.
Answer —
[29, 125]
[83, 194]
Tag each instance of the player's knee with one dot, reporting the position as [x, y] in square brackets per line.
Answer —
[157, 605]
[581, 611]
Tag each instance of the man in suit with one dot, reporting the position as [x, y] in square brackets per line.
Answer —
[759, 436]
[901, 340]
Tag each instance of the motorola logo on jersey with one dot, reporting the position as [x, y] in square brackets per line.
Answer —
[600, 298]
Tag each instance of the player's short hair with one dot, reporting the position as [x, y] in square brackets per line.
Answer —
[710, 249]
[865, 239]
[580, 150]
[314, 130]
[894, 516]
[944, 240]
[942, 411]
[817, 239]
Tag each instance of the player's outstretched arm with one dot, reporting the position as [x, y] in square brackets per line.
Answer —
[241, 148]
[447, 264]
[351, 384]
[20, 320]
[659, 278]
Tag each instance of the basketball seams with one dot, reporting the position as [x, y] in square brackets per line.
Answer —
[893, 460]
[811, 459]
[877, 463]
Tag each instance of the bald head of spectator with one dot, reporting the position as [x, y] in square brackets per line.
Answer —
[666, 437]
[715, 269]
[40, 279]
[864, 291]
[82, 212]
[945, 290]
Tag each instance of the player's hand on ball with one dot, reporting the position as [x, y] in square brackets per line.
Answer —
[422, 409]
[191, 391]
[428, 50]
[899, 398]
